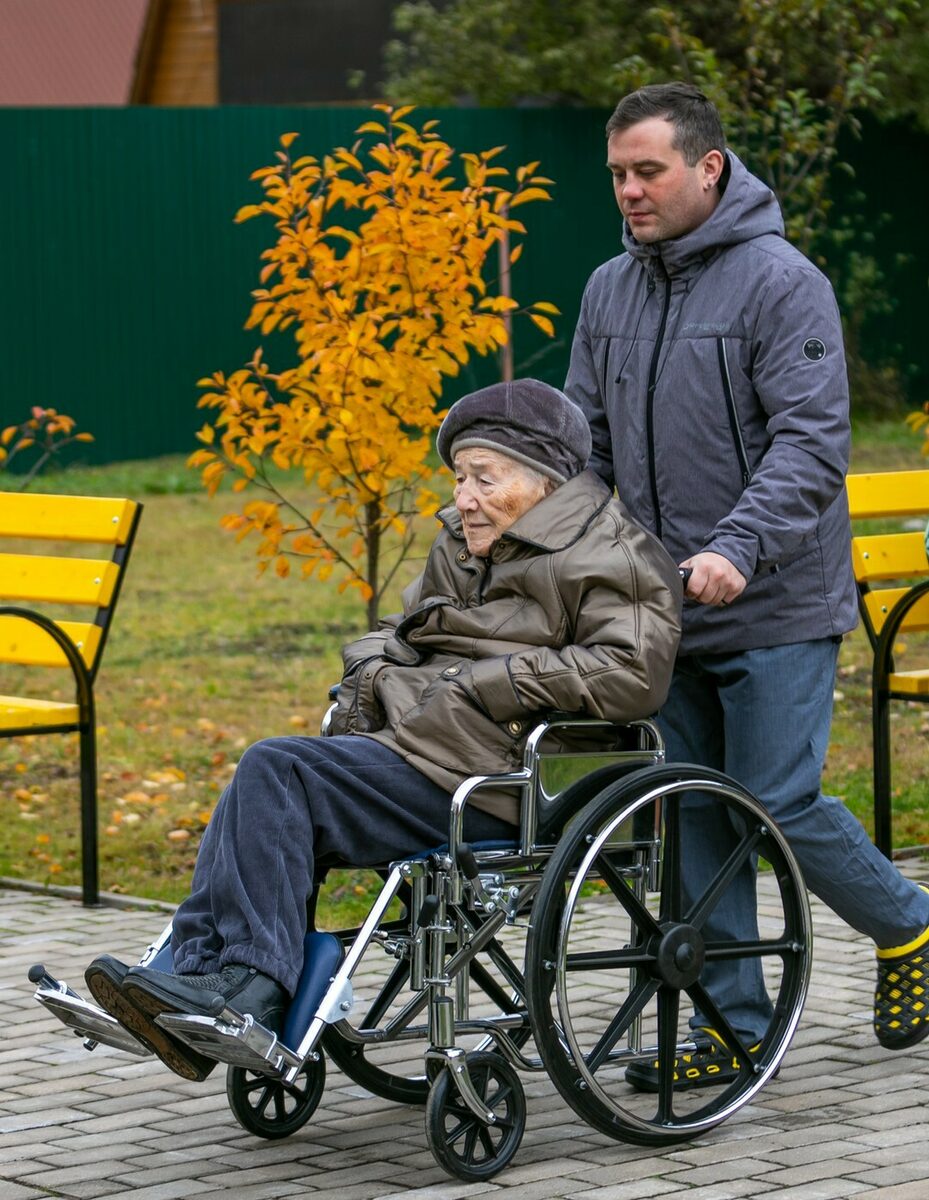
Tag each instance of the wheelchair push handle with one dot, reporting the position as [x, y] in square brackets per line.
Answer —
[685, 574]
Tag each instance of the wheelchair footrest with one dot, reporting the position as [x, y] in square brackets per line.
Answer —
[240, 1042]
[237, 1039]
[87, 1020]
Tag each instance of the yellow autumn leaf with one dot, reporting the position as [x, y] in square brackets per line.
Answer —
[531, 193]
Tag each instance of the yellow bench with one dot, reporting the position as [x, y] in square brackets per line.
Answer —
[892, 571]
[30, 637]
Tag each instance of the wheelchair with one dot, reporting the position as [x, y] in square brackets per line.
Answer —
[573, 952]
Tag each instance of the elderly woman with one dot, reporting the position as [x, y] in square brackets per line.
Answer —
[539, 593]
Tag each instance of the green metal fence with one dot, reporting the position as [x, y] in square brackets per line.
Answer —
[125, 279]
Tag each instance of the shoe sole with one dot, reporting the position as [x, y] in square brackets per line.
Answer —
[646, 1083]
[908, 1040]
[182, 1061]
[647, 1080]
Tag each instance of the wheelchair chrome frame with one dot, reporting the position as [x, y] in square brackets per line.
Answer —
[458, 899]
[235, 1038]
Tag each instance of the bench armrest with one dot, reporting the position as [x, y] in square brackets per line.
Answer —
[82, 680]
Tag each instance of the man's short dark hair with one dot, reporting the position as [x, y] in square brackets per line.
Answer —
[697, 127]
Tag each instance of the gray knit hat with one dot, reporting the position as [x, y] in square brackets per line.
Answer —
[529, 420]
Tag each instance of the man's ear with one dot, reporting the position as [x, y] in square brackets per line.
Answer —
[712, 168]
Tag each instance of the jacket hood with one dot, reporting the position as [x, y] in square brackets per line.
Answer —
[556, 522]
[747, 209]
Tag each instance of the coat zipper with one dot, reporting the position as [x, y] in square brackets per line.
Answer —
[606, 370]
[650, 404]
[733, 415]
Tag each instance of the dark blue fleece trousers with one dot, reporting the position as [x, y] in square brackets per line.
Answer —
[295, 807]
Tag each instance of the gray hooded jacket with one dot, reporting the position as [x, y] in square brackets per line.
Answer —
[712, 371]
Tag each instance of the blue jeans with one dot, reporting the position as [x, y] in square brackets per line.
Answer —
[763, 717]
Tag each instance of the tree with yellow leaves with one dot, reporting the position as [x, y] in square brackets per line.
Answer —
[46, 431]
[379, 269]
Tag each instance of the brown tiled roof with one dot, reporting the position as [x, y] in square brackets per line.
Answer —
[68, 51]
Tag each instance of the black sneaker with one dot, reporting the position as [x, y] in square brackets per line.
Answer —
[901, 998]
[242, 988]
[710, 1065]
[105, 977]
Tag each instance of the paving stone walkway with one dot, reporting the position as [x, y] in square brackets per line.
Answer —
[843, 1119]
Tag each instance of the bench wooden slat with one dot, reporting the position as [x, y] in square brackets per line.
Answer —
[57, 580]
[889, 556]
[19, 713]
[28, 645]
[889, 494]
[911, 683]
[880, 601]
[66, 518]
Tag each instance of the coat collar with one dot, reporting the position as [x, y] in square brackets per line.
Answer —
[553, 524]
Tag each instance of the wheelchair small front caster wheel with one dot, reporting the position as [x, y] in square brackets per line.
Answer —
[271, 1108]
[460, 1141]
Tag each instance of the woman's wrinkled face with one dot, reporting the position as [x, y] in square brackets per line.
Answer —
[491, 492]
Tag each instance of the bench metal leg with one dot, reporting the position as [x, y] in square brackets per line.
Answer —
[883, 812]
[90, 885]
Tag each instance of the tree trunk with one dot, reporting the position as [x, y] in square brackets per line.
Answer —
[372, 552]
[506, 289]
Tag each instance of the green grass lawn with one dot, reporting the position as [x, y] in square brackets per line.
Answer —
[205, 657]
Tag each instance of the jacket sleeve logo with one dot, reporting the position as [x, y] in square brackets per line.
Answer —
[814, 349]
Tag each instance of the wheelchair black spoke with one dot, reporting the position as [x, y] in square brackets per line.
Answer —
[711, 897]
[670, 906]
[720, 951]
[620, 888]
[498, 995]
[508, 969]
[668, 1008]
[487, 1141]
[464, 1115]
[603, 960]
[501, 1095]
[629, 1010]
[471, 1140]
[396, 981]
[718, 1021]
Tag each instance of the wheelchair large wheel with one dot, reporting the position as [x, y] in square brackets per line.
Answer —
[394, 1071]
[626, 930]
[271, 1108]
[460, 1141]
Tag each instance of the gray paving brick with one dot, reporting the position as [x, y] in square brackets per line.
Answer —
[905, 1191]
[844, 1119]
[823, 1189]
[16, 1191]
